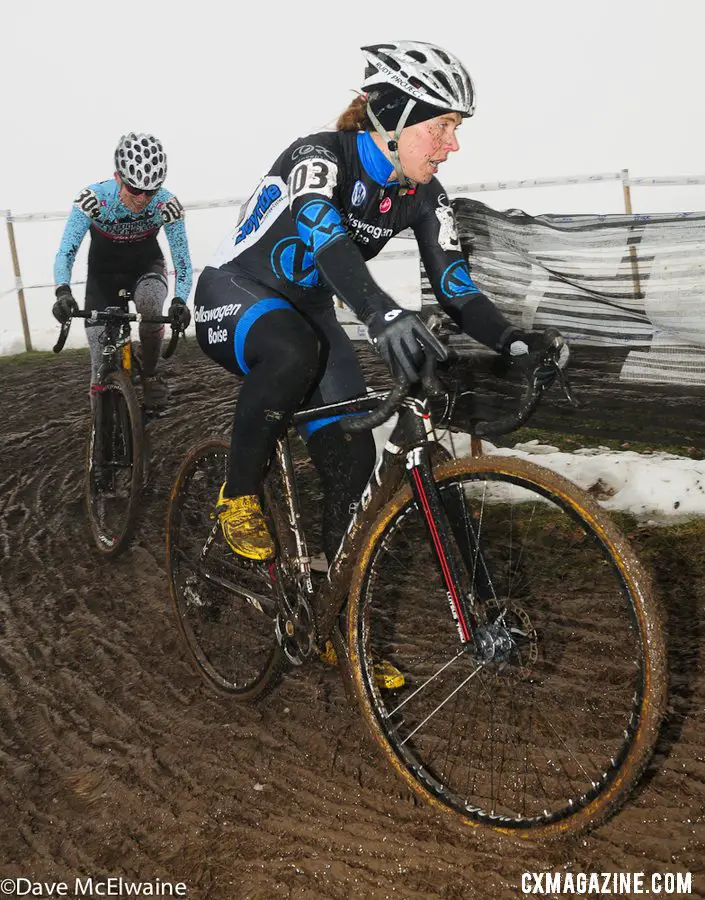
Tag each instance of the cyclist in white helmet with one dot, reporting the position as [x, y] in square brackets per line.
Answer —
[123, 215]
[330, 202]
[408, 83]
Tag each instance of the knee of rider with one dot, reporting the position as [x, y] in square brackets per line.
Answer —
[296, 352]
[93, 336]
[151, 332]
[150, 293]
[344, 459]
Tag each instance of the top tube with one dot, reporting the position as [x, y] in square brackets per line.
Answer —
[363, 403]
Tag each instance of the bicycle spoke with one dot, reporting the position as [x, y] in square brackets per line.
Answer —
[114, 465]
[519, 728]
[226, 607]
[426, 683]
[442, 704]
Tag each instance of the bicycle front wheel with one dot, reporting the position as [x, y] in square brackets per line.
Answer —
[225, 606]
[114, 465]
[550, 734]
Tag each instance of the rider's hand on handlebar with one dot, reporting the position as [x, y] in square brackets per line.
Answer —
[65, 305]
[179, 314]
[547, 351]
[404, 343]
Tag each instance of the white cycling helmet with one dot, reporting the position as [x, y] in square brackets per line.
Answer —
[423, 71]
[140, 160]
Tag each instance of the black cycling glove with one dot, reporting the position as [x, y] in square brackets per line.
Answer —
[535, 347]
[404, 343]
[64, 305]
[179, 314]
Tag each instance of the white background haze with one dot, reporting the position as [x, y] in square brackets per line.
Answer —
[563, 88]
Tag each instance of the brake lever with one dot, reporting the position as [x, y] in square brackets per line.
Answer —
[429, 380]
[567, 389]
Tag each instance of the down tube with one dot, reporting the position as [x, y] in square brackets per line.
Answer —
[440, 533]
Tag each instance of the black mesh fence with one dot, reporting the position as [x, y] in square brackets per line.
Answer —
[628, 291]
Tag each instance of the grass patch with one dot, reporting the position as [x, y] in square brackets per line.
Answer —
[34, 357]
[570, 442]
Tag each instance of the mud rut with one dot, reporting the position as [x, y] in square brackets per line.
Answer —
[115, 760]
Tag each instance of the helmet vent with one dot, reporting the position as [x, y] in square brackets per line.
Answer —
[423, 71]
[140, 160]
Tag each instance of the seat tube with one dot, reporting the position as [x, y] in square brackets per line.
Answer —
[453, 570]
[293, 510]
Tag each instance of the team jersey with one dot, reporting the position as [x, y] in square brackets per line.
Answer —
[325, 207]
[121, 240]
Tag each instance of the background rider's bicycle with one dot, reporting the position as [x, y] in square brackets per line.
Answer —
[532, 650]
[116, 459]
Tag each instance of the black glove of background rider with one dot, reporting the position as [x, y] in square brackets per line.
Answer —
[64, 305]
[404, 343]
[179, 314]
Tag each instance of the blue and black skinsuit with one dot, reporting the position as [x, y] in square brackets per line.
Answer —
[124, 254]
[264, 306]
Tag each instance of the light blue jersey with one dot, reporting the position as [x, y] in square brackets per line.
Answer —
[120, 238]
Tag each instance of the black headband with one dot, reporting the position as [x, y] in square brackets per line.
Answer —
[388, 104]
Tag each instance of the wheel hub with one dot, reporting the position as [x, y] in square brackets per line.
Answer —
[509, 640]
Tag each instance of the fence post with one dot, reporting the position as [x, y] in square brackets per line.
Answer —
[18, 279]
[632, 250]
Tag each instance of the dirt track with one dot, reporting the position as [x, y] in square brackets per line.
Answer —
[115, 760]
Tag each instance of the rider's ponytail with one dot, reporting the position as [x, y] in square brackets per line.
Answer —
[354, 118]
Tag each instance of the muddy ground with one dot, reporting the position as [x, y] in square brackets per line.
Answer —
[116, 760]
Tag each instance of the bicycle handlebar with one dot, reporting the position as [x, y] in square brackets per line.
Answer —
[118, 315]
[538, 375]
[382, 413]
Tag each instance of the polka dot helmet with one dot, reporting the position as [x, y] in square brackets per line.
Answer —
[140, 161]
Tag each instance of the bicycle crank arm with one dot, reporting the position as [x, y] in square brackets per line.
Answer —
[296, 632]
[266, 605]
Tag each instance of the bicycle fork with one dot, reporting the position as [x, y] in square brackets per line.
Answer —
[457, 579]
[466, 577]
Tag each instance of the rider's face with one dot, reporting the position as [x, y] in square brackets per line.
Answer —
[423, 147]
[134, 202]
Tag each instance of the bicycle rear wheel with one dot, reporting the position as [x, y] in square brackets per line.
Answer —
[114, 465]
[225, 606]
[551, 734]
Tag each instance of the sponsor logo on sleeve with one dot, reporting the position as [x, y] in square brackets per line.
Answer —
[457, 282]
[447, 233]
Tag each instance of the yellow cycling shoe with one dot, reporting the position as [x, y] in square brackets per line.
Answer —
[387, 676]
[244, 526]
[328, 655]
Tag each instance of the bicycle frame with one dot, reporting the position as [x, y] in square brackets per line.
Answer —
[406, 454]
[116, 337]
